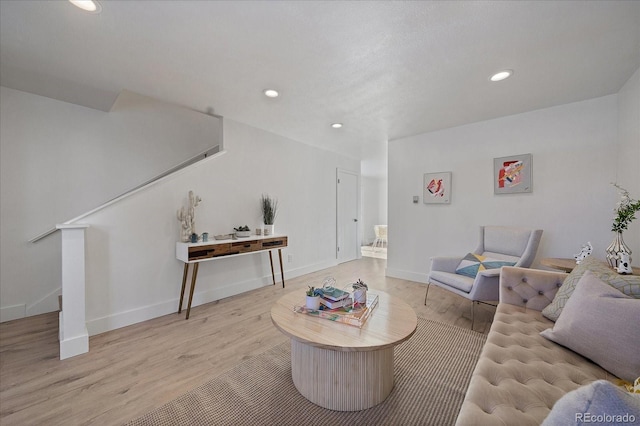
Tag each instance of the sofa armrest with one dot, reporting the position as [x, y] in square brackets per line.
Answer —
[445, 263]
[529, 288]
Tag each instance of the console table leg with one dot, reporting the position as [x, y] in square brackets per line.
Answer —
[184, 285]
[281, 270]
[273, 274]
[194, 274]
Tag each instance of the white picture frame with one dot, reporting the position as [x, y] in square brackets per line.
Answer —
[436, 188]
[513, 174]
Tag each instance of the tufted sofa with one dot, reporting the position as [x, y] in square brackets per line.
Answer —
[520, 374]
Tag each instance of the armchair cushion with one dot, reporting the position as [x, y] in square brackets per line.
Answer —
[473, 263]
[457, 281]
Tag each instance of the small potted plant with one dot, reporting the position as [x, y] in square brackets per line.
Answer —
[360, 292]
[313, 299]
[269, 209]
[242, 231]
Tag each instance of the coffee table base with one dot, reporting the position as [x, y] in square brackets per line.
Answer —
[342, 380]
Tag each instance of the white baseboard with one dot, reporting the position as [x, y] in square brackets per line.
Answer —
[294, 273]
[10, 313]
[144, 313]
[134, 316]
[419, 277]
[48, 303]
[72, 346]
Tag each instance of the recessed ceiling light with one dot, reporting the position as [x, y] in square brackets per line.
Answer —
[499, 76]
[336, 125]
[87, 5]
[270, 93]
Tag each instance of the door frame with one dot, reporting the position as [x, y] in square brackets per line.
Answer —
[358, 212]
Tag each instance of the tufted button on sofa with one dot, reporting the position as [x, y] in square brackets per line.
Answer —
[520, 374]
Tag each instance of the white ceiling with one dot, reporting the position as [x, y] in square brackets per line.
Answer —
[385, 69]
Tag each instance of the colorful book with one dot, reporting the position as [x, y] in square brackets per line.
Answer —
[347, 315]
[333, 304]
[335, 294]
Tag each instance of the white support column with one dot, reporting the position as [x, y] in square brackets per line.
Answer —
[73, 335]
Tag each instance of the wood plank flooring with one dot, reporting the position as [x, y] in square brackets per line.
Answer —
[135, 369]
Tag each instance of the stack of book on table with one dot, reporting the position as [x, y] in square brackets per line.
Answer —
[347, 314]
[335, 298]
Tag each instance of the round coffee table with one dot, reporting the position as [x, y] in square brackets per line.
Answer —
[339, 366]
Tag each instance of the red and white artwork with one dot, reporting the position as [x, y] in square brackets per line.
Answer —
[437, 188]
[509, 174]
[512, 174]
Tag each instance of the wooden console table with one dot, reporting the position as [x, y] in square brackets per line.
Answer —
[201, 252]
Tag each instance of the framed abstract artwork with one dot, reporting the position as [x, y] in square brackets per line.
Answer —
[512, 175]
[437, 188]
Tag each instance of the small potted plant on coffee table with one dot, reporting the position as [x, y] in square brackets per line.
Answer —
[313, 299]
[360, 292]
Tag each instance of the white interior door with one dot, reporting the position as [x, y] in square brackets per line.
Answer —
[348, 204]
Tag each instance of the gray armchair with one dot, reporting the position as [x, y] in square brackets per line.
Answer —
[517, 245]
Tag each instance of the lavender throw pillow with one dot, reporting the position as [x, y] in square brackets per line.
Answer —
[601, 323]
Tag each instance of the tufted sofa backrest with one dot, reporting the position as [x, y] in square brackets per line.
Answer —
[530, 288]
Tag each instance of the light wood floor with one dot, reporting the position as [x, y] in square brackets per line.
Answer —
[135, 369]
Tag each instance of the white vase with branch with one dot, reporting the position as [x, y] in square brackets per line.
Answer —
[624, 214]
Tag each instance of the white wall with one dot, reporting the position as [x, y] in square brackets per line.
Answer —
[132, 272]
[59, 160]
[575, 156]
[628, 170]
[374, 189]
[374, 206]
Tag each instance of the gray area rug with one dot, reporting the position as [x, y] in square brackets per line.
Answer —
[432, 371]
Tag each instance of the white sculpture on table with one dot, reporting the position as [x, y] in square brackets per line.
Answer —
[187, 217]
[584, 252]
[624, 265]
